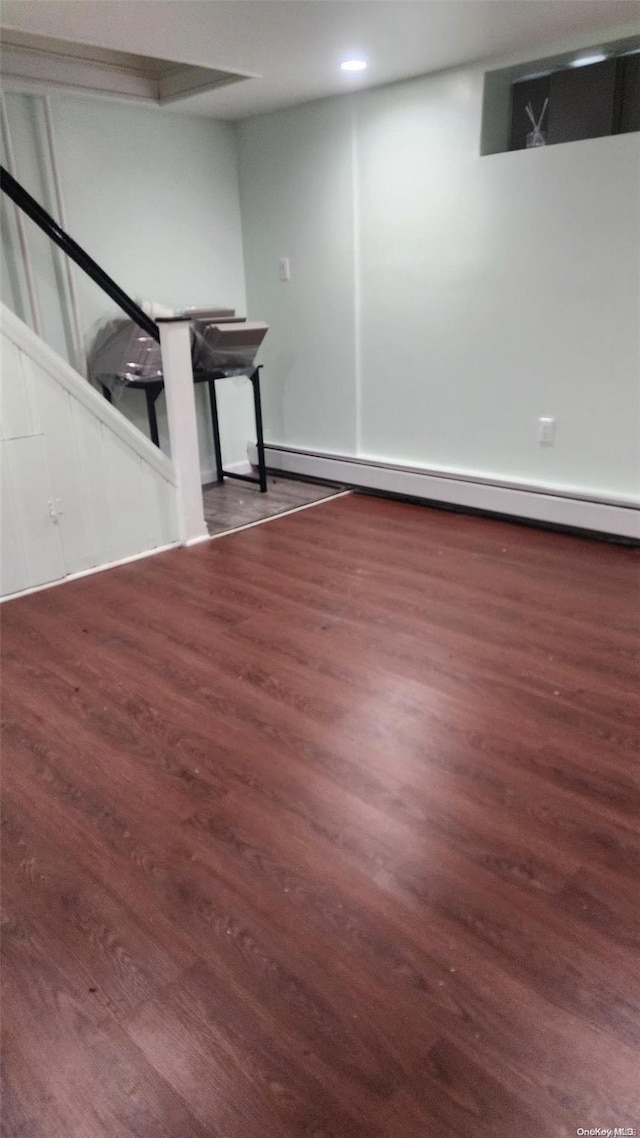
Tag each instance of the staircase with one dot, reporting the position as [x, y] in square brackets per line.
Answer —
[82, 488]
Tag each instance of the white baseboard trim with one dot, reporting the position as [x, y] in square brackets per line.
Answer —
[210, 475]
[90, 572]
[197, 540]
[534, 503]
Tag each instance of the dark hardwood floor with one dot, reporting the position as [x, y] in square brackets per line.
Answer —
[327, 828]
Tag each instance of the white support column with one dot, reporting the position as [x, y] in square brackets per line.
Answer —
[175, 343]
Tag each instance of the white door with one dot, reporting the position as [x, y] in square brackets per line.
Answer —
[30, 548]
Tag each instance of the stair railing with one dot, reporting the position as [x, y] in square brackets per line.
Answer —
[175, 347]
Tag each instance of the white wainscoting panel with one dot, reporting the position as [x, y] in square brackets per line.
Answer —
[81, 487]
[19, 416]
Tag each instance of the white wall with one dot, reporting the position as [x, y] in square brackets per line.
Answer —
[486, 291]
[153, 197]
[80, 486]
[297, 202]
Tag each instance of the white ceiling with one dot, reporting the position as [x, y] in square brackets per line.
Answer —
[295, 46]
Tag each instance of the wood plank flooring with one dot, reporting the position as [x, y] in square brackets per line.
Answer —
[327, 829]
[231, 504]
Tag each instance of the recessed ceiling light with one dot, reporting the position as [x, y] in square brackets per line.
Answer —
[585, 60]
[354, 65]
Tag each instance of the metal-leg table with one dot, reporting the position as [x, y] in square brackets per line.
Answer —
[152, 389]
[210, 377]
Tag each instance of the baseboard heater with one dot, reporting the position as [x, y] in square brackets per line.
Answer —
[548, 506]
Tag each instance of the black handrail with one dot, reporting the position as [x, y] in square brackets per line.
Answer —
[35, 211]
